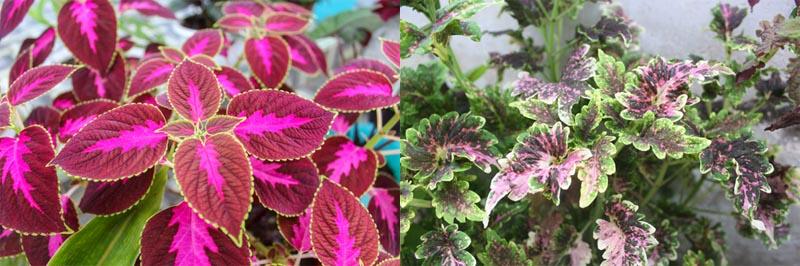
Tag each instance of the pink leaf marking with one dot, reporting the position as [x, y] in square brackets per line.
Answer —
[72, 126]
[194, 101]
[258, 124]
[385, 203]
[227, 85]
[42, 41]
[198, 47]
[298, 57]
[84, 14]
[348, 158]
[15, 167]
[265, 51]
[159, 72]
[347, 254]
[301, 230]
[27, 89]
[138, 137]
[209, 161]
[268, 172]
[369, 89]
[192, 239]
[53, 243]
[99, 84]
[15, 7]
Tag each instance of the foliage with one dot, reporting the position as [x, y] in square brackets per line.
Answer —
[632, 128]
[182, 155]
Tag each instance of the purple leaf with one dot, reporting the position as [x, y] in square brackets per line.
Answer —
[624, 236]
[89, 30]
[285, 187]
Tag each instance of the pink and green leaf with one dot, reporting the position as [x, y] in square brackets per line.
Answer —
[149, 75]
[232, 81]
[297, 230]
[109, 198]
[194, 91]
[279, 125]
[74, 119]
[391, 49]
[625, 237]
[216, 181]
[207, 42]
[342, 231]
[118, 144]
[178, 236]
[28, 185]
[432, 148]
[664, 137]
[306, 55]
[594, 172]
[662, 88]
[347, 164]
[744, 160]
[88, 29]
[11, 14]
[36, 82]
[357, 91]
[146, 7]
[285, 23]
[269, 59]
[384, 208]
[540, 161]
[285, 187]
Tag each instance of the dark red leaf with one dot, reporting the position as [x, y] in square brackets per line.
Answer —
[149, 75]
[279, 125]
[342, 231]
[39, 249]
[370, 64]
[88, 29]
[269, 59]
[384, 206]
[285, 23]
[22, 63]
[248, 8]
[30, 187]
[285, 187]
[306, 55]
[345, 163]
[146, 7]
[108, 198]
[77, 117]
[11, 15]
[391, 49]
[37, 81]
[90, 84]
[297, 230]
[207, 42]
[232, 81]
[10, 244]
[194, 91]
[172, 54]
[46, 117]
[357, 91]
[118, 144]
[178, 236]
[64, 101]
[222, 124]
[216, 180]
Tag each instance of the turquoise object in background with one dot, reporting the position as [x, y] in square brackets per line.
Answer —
[327, 8]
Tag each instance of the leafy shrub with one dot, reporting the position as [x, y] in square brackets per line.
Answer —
[596, 153]
[207, 138]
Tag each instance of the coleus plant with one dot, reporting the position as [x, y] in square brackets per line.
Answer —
[596, 150]
[175, 123]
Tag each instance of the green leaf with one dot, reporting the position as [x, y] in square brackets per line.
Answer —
[663, 137]
[610, 76]
[697, 259]
[19, 260]
[595, 171]
[500, 252]
[445, 246]
[349, 25]
[454, 200]
[477, 72]
[113, 240]
[791, 28]
[459, 11]
[411, 38]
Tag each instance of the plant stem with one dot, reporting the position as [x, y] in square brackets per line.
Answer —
[420, 203]
[254, 242]
[388, 126]
[657, 184]
[695, 189]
